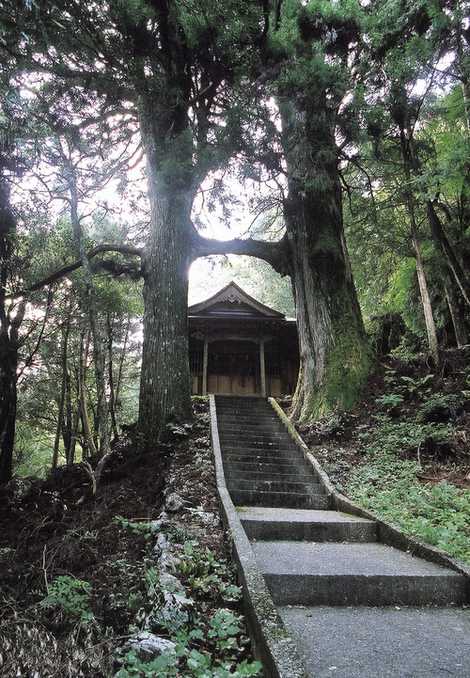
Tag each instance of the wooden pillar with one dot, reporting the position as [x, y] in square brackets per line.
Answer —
[262, 368]
[205, 361]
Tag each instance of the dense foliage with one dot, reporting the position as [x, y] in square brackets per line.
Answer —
[353, 123]
[331, 139]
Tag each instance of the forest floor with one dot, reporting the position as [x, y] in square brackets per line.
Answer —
[404, 451]
[137, 581]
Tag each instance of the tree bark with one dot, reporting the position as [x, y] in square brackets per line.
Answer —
[408, 163]
[456, 311]
[412, 165]
[8, 403]
[61, 402]
[335, 358]
[87, 432]
[90, 306]
[9, 343]
[165, 376]
[112, 391]
[426, 301]
[121, 362]
[68, 420]
[444, 246]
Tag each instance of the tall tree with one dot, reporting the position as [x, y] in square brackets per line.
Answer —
[170, 65]
[319, 44]
[11, 317]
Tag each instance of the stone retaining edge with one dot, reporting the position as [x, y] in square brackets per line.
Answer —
[272, 644]
[386, 532]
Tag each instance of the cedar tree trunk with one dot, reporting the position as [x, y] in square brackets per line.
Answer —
[335, 358]
[8, 401]
[9, 329]
[165, 378]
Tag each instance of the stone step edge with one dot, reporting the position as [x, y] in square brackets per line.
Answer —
[344, 590]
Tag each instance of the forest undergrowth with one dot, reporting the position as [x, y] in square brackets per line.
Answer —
[136, 582]
[404, 451]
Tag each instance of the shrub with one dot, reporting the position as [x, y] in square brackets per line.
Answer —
[440, 408]
[71, 597]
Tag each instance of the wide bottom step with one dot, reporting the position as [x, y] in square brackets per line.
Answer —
[354, 574]
[366, 642]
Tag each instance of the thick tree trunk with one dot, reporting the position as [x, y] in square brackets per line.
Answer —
[8, 401]
[9, 329]
[164, 386]
[335, 357]
[165, 376]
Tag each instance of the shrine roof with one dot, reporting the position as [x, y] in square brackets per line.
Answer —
[233, 302]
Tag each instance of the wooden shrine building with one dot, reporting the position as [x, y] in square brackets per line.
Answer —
[238, 346]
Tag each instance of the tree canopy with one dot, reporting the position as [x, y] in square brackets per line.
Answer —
[118, 119]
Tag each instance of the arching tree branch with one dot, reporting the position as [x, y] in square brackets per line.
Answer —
[275, 253]
[69, 268]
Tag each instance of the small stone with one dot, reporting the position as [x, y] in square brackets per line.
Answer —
[148, 645]
[173, 431]
[171, 583]
[174, 503]
[207, 518]
[162, 521]
[162, 542]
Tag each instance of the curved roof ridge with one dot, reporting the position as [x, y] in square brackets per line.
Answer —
[238, 296]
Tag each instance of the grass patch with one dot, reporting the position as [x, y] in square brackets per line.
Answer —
[438, 514]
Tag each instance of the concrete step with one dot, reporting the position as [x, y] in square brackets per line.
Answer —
[257, 405]
[242, 497]
[247, 469]
[259, 485]
[368, 642]
[245, 459]
[261, 410]
[261, 456]
[233, 403]
[243, 474]
[272, 524]
[245, 435]
[251, 429]
[332, 574]
[235, 399]
[233, 445]
[250, 415]
[250, 465]
[229, 418]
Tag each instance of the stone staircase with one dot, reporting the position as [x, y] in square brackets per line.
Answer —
[263, 467]
[356, 607]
